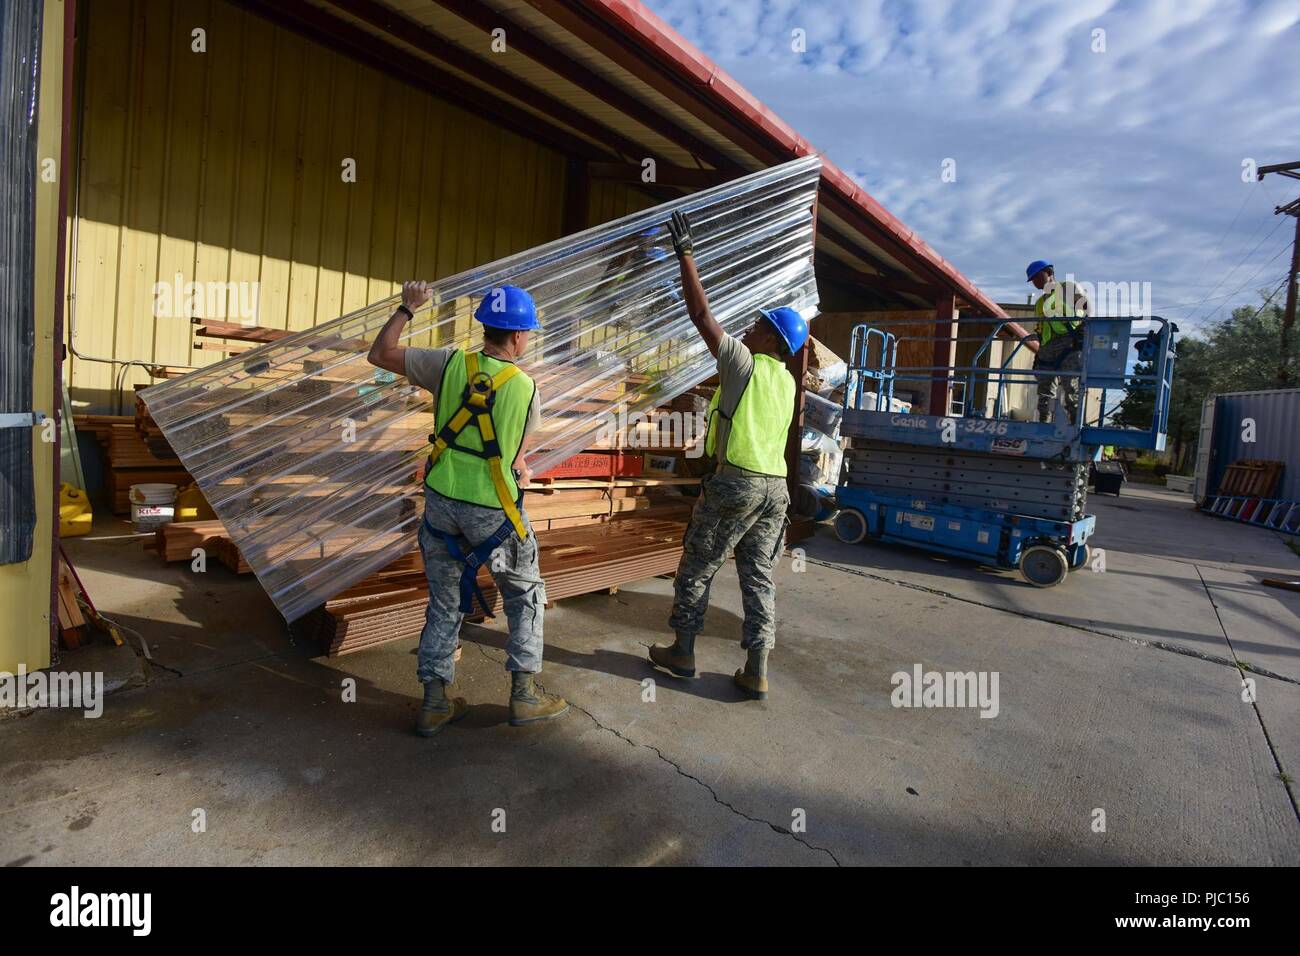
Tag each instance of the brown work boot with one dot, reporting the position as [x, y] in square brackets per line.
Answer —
[677, 658]
[528, 705]
[438, 710]
[752, 678]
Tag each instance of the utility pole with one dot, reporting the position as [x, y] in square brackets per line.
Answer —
[1292, 209]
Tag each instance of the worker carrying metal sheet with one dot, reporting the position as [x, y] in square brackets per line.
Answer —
[486, 411]
[1060, 336]
[743, 504]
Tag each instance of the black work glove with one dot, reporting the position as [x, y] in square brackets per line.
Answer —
[680, 228]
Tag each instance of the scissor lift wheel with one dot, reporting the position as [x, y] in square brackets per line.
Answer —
[1043, 565]
[850, 526]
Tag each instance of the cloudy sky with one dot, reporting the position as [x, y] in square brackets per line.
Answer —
[1122, 165]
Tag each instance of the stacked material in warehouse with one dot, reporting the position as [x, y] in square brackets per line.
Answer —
[308, 411]
[128, 459]
[391, 604]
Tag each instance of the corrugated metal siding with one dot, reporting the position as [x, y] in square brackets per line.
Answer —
[608, 201]
[25, 588]
[1276, 415]
[225, 166]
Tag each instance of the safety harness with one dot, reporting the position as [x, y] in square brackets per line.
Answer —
[476, 403]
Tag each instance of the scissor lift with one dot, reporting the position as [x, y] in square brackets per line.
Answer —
[980, 485]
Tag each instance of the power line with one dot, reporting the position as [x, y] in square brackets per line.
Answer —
[1192, 305]
[1264, 306]
[1276, 225]
[1253, 233]
[1223, 235]
[1252, 277]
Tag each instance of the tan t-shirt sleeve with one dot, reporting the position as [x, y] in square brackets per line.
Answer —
[534, 415]
[735, 365]
[424, 367]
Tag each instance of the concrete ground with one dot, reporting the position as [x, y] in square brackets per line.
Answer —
[1119, 694]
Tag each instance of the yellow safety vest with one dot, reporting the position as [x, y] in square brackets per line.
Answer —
[759, 426]
[1051, 302]
[473, 464]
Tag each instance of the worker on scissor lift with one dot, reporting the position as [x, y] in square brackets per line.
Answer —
[1060, 338]
[743, 503]
[486, 409]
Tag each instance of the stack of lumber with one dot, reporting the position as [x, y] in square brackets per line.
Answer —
[176, 542]
[390, 605]
[576, 502]
[128, 459]
[150, 433]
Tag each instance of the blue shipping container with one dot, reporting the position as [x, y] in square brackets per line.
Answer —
[1272, 418]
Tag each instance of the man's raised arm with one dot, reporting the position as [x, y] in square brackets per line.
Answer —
[697, 304]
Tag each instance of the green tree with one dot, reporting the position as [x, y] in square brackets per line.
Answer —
[1238, 354]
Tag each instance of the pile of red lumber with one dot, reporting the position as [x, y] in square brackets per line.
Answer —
[176, 542]
[390, 605]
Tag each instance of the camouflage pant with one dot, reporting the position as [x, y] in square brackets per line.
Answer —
[1062, 353]
[749, 515]
[514, 567]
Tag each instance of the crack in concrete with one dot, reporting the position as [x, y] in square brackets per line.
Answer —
[1254, 703]
[775, 827]
[1127, 638]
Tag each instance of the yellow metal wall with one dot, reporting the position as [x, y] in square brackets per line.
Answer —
[608, 201]
[25, 588]
[225, 166]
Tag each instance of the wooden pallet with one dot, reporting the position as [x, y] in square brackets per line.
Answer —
[1251, 478]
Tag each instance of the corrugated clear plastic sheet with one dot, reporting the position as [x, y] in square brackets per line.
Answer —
[311, 456]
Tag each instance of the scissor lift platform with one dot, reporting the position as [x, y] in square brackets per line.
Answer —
[985, 487]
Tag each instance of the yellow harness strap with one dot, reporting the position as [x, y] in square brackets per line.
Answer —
[476, 406]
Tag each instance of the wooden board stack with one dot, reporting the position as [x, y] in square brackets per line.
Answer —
[128, 458]
[177, 541]
[391, 605]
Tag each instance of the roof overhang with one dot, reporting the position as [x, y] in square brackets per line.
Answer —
[610, 84]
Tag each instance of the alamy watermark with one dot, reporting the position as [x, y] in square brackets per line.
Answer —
[922, 688]
[70, 689]
[133, 911]
[228, 301]
[654, 429]
[1105, 299]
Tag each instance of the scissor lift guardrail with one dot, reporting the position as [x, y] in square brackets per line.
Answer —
[982, 484]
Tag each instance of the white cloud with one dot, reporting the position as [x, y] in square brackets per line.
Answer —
[1123, 165]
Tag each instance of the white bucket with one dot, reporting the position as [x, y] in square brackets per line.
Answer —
[152, 506]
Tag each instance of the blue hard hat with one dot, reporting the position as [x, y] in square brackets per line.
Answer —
[508, 307]
[789, 324]
[1035, 267]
